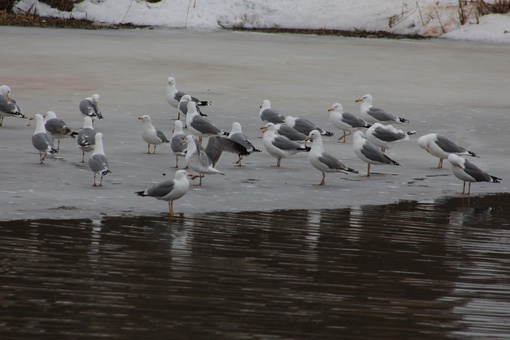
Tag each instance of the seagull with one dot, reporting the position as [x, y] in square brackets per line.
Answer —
[289, 132]
[345, 121]
[178, 142]
[236, 135]
[183, 107]
[169, 190]
[200, 126]
[199, 161]
[41, 139]
[151, 135]
[305, 126]
[384, 136]
[280, 146]
[8, 106]
[89, 107]
[369, 153]
[468, 172]
[323, 161]
[268, 115]
[441, 147]
[375, 115]
[86, 137]
[97, 161]
[173, 96]
[57, 128]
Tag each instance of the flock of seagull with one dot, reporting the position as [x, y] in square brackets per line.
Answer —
[283, 136]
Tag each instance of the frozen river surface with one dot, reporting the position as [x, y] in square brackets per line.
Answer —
[459, 89]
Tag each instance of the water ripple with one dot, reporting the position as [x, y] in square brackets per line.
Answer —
[407, 270]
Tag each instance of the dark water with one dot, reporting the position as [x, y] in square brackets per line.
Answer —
[401, 271]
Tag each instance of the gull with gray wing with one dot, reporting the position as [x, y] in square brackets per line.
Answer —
[178, 142]
[199, 161]
[369, 153]
[385, 136]
[323, 161]
[151, 135]
[169, 191]
[345, 121]
[41, 139]
[86, 137]
[98, 163]
[374, 114]
[470, 173]
[8, 106]
[441, 147]
[280, 146]
[57, 128]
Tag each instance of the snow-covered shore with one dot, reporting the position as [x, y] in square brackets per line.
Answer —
[422, 17]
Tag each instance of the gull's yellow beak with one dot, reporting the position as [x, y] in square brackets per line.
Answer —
[330, 109]
[263, 129]
[140, 118]
[358, 100]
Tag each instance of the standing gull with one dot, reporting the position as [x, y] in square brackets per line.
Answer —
[199, 161]
[90, 107]
[376, 115]
[236, 135]
[268, 115]
[369, 153]
[385, 136]
[178, 142]
[468, 172]
[169, 190]
[97, 161]
[305, 126]
[323, 161]
[58, 128]
[151, 135]
[280, 146]
[41, 139]
[86, 137]
[441, 147]
[200, 126]
[345, 121]
[183, 107]
[173, 96]
[8, 106]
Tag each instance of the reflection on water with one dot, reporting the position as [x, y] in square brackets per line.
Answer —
[406, 270]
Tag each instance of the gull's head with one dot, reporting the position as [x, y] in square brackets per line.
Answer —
[365, 99]
[268, 127]
[180, 174]
[171, 81]
[336, 107]
[456, 160]
[192, 107]
[37, 117]
[185, 98]
[358, 135]
[189, 139]
[314, 135]
[178, 125]
[423, 141]
[266, 104]
[95, 98]
[236, 128]
[50, 115]
[145, 118]
[5, 91]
